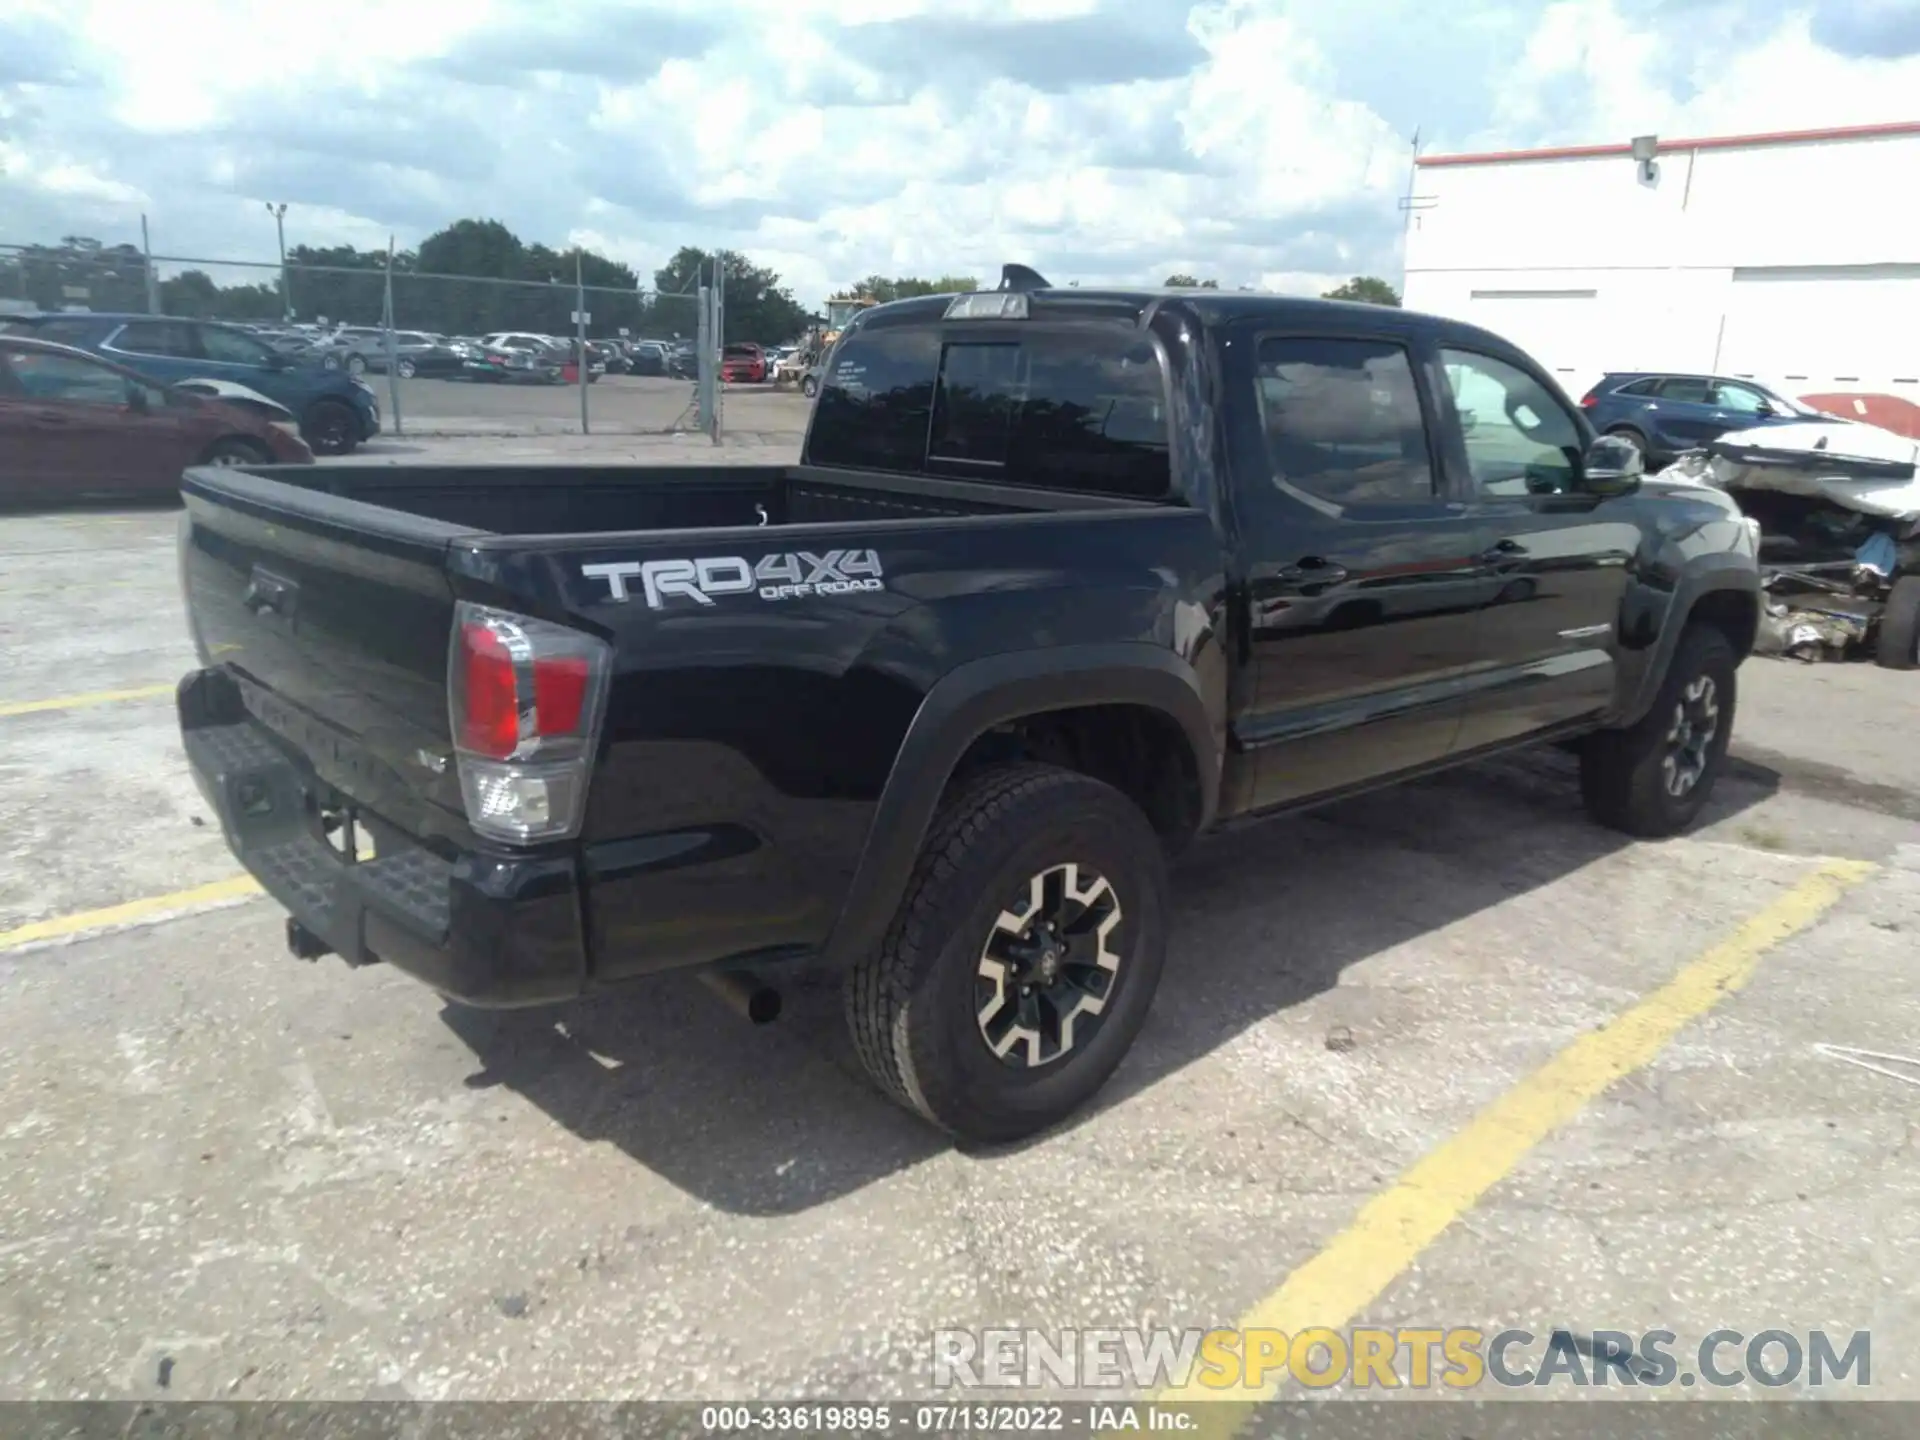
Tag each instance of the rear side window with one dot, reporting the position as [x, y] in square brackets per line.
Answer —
[1686, 390]
[1640, 387]
[875, 401]
[1343, 422]
[155, 337]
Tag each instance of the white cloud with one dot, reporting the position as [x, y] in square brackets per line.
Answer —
[1259, 141]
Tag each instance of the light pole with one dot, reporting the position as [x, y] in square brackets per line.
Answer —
[279, 213]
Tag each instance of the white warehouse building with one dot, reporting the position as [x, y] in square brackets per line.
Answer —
[1790, 258]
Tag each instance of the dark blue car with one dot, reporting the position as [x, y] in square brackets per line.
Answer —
[335, 411]
[1665, 413]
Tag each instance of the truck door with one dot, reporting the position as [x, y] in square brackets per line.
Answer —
[1361, 576]
[1557, 560]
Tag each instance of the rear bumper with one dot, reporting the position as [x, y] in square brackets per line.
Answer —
[485, 930]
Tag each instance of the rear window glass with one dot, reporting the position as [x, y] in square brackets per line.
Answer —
[1083, 412]
[874, 405]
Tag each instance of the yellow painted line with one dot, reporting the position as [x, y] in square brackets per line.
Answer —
[1394, 1227]
[79, 702]
[134, 912]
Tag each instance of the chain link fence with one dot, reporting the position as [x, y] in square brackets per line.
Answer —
[451, 354]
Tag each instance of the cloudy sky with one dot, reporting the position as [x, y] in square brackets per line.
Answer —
[1264, 142]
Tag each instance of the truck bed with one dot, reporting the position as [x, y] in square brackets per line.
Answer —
[600, 499]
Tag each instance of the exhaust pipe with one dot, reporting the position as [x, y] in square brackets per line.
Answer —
[745, 994]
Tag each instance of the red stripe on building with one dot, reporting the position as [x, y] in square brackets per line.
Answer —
[1667, 147]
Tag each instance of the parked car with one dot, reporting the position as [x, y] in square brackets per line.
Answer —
[336, 411]
[429, 356]
[514, 359]
[75, 427]
[612, 356]
[682, 363]
[1664, 414]
[1064, 578]
[647, 357]
[743, 363]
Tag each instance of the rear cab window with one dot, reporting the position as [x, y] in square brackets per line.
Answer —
[1083, 410]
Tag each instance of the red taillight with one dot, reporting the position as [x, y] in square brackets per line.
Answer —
[1589, 400]
[490, 718]
[559, 695]
[525, 698]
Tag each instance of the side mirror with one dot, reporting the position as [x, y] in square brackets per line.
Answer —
[1764, 411]
[1611, 466]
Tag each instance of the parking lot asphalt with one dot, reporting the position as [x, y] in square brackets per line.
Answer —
[616, 405]
[228, 1174]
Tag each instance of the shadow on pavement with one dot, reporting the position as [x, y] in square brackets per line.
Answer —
[775, 1120]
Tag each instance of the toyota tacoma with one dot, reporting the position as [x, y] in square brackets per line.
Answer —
[1063, 578]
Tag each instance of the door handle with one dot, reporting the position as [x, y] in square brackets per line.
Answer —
[1312, 571]
[1504, 550]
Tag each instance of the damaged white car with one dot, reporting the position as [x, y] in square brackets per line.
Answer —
[1838, 506]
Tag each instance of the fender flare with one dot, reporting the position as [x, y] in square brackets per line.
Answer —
[972, 699]
[1730, 573]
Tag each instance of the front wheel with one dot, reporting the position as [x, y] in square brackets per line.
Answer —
[1652, 778]
[406, 367]
[356, 365]
[1023, 957]
[1898, 647]
[810, 387]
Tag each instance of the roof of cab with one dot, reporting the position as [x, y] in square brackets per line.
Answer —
[1208, 308]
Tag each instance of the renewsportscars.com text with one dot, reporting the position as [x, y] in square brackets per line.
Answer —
[1362, 1358]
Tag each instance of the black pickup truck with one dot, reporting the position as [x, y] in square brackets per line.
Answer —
[1063, 578]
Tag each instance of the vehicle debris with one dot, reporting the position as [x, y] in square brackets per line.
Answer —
[1838, 508]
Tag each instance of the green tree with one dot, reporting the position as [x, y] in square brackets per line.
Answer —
[79, 271]
[1367, 289]
[882, 288]
[1188, 282]
[757, 306]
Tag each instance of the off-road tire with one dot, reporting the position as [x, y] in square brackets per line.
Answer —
[910, 1003]
[1898, 647]
[1621, 778]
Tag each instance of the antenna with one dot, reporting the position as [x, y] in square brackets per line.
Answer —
[1022, 277]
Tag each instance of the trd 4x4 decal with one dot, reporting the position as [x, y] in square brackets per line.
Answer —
[792, 575]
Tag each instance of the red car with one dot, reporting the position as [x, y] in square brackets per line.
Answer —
[73, 427]
[743, 362]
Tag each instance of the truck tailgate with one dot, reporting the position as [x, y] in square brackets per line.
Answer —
[334, 617]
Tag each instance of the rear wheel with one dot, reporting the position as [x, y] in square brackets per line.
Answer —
[1634, 438]
[1651, 779]
[1023, 958]
[406, 367]
[236, 450]
[330, 428]
[1899, 645]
